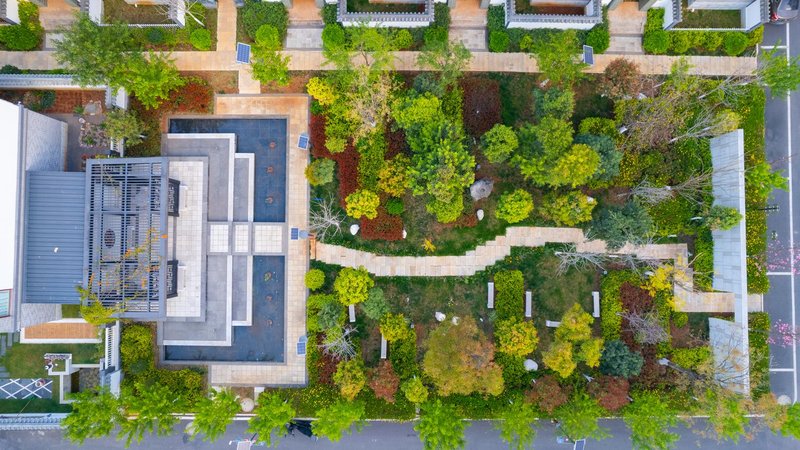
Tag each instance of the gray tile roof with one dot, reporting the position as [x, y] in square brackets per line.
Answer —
[54, 235]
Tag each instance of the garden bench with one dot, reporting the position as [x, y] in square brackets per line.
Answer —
[383, 347]
[352, 310]
[528, 305]
[490, 303]
[552, 324]
[596, 304]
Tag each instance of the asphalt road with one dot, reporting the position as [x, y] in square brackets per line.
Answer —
[384, 436]
[782, 299]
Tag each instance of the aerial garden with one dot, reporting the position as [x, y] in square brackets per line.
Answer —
[437, 163]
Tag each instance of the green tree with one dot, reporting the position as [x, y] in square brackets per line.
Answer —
[650, 418]
[320, 171]
[414, 390]
[440, 427]
[447, 60]
[568, 209]
[547, 156]
[576, 325]
[121, 124]
[314, 279]
[619, 361]
[94, 415]
[214, 414]
[268, 65]
[270, 418]
[459, 360]
[152, 80]
[560, 358]
[728, 420]
[375, 306]
[153, 406]
[331, 315]
[557, 58]
[514, 206]
[575, 167]
[579, 418]
[792, 425]
[333, 421]
[554, 102]
[394, 327]
[515, 337]
[722, 217]
[779, 74]
[610, 157]
[352, 285]
[362, 203]
[350, 378]
[499, 143]
[616, 225]
[762, 180]
[394, 178]
[516, 425]
[95, 54]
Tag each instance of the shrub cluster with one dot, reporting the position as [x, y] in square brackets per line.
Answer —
[27, 35]
[759, 352]
[611, 301]
[502, 39]
[509, 288]
[255, 13]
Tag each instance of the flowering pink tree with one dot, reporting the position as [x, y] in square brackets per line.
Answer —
[782, 258]
[783, 334]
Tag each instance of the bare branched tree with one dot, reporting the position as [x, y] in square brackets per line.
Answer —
[570, 258]
[339, 344]
[645, 327]
[324, 219]
[170, 9]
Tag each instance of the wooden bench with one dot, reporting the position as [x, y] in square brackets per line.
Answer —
[528, 304]
[352, 311]
[596, 303]
[312, 246]
[552, 324]
[490, 303]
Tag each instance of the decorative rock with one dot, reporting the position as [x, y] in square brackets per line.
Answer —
[354, 229]
[530, 365]
[480, 214]
[784, 400]
[481, 189]
[440, 316]
[456, 320]
[405, 233]
[247, 404]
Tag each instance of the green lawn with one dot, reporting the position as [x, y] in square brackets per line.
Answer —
[119, 11]
[709, 18]
[27, 360]
[71, 311]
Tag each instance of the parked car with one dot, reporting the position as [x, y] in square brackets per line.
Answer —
[782, 11]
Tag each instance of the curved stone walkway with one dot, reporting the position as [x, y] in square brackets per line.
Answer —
[493, 251]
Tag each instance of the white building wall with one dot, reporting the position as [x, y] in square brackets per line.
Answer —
[12, 10]
[751, 15]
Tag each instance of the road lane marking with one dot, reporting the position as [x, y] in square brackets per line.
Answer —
[778, 273]
[791, 213]
[773, 47]
[779, 369]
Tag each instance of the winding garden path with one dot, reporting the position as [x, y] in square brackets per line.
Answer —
[491, 252]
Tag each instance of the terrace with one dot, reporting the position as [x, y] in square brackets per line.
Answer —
[577, 14]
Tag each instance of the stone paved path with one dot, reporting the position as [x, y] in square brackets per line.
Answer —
[626, 25]
[472, 38]
[304, 37]
[493, 251]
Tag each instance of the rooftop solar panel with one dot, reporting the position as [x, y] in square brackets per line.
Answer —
[588, 55]
[302, 142]
[295, 233]
[242, 53]
[301, 346]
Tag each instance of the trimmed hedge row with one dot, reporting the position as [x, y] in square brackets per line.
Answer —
[510, 291]
[502, 39]
[759, 353]
[659, 41]
[611, 303]
[751, 109]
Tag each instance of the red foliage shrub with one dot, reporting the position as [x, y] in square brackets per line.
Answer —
[384, 227]
[634, 299]
[611, 393]
[195, 96]
[316, 132]
[653, 374]
[481, 105]
[383, 381]
[395, 142]
[347, 168]
[326, 365]
[547, 394]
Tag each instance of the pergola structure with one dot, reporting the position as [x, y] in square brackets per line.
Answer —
[127, 205]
